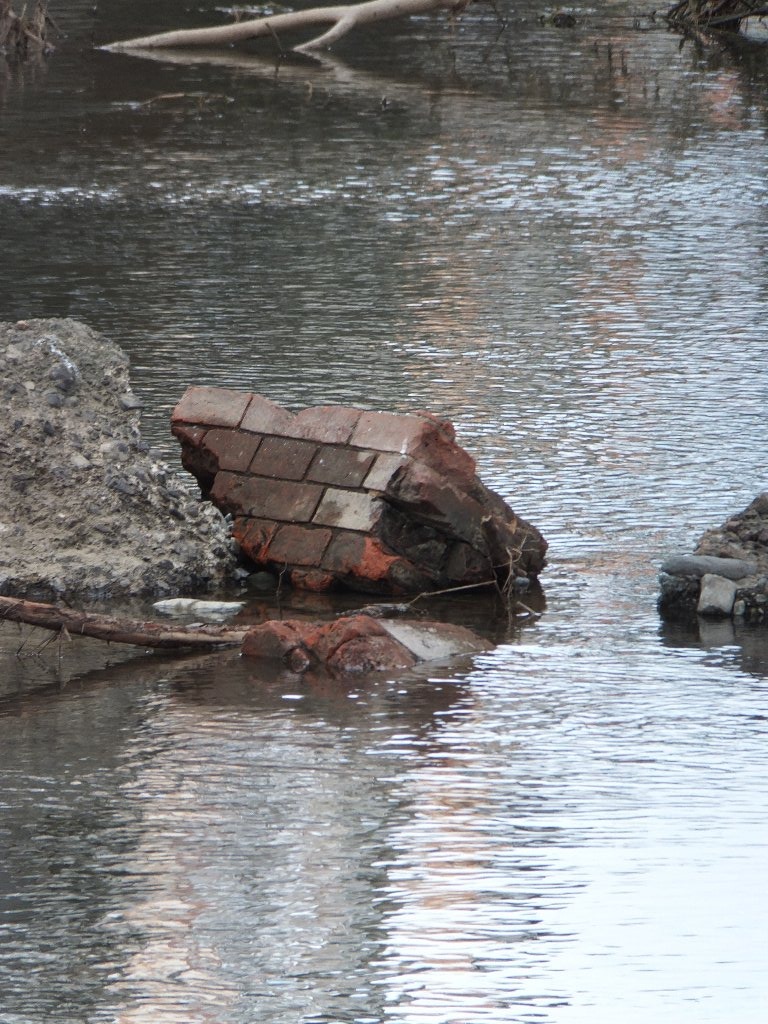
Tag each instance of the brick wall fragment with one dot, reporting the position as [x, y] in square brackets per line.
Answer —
[334, 496]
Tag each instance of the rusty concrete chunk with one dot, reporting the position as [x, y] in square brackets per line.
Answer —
[282, 500]
[345, 467]
[265, 417]
[212, 407]
[231, 449]
[330, 424]
[298, 545]
[283, 457]
[349, 510]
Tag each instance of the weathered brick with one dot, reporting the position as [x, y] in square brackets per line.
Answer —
[265, 417]
[232, 449]
[253, 536]
[345, 467]
[383, 469]
[191, 436]
[389, 432]
[331, 424]
[349, 510]
[312, 579]
[299, 545]
[344, 553]
[353, 555]
[283, 457]
[266, 499]
[215, 407]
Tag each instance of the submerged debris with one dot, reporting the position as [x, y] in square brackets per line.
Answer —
[23, 36]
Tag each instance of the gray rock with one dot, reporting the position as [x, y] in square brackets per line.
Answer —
[702, 565]
[717, 596]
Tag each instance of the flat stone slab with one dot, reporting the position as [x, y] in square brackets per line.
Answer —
[702, 565]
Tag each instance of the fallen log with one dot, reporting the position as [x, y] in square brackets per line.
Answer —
[342, 19]
[121, 631]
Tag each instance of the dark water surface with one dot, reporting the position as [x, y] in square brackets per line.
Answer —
[559, 240]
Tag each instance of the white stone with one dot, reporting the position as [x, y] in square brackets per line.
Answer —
[716, 596]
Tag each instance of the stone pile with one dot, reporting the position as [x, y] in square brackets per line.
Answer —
[335, 496]
[727, 575]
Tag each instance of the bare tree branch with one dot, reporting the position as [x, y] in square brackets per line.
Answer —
[123, 631]
[341, 18]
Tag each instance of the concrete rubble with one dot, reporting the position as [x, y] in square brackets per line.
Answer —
[88, 511]
[340, 497]
[727, 575]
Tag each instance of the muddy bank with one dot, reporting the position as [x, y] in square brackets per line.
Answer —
[87, 509]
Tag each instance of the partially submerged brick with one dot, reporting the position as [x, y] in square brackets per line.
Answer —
[333, 496]
[358, 644]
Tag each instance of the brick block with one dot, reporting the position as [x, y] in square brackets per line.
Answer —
[389, 432]
[189, 436]
[253, 536]
[266, 499]
[344, 554]
[355, 556]
[329, 424]
[231, 449]
[265, 417]
[215, 407]
[283, 457]
[299, 545]
[349, 510]
[344, 467]
[383, 469]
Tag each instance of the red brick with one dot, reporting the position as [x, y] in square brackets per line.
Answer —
[331, 424]
[312, 579]
[232, 449]
[298, 545]
[349, 510]
[191, 436]
[389, 432]
[355, 555]
[265, 417]
[253, 536]
[266, 499]
[215, 407]
[345, 467]
[283, 457]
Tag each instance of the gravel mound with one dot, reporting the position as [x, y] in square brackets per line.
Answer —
[86, 510]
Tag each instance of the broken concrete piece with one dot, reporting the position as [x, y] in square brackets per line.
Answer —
[374, 501]
[358, 644]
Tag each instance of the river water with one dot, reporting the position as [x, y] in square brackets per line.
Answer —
[556, 238]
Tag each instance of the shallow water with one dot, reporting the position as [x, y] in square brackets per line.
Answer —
[558, 241]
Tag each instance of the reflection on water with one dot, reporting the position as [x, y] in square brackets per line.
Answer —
[558, 240]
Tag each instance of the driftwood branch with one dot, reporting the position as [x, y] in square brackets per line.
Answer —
[122, 631]
[341, 19]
